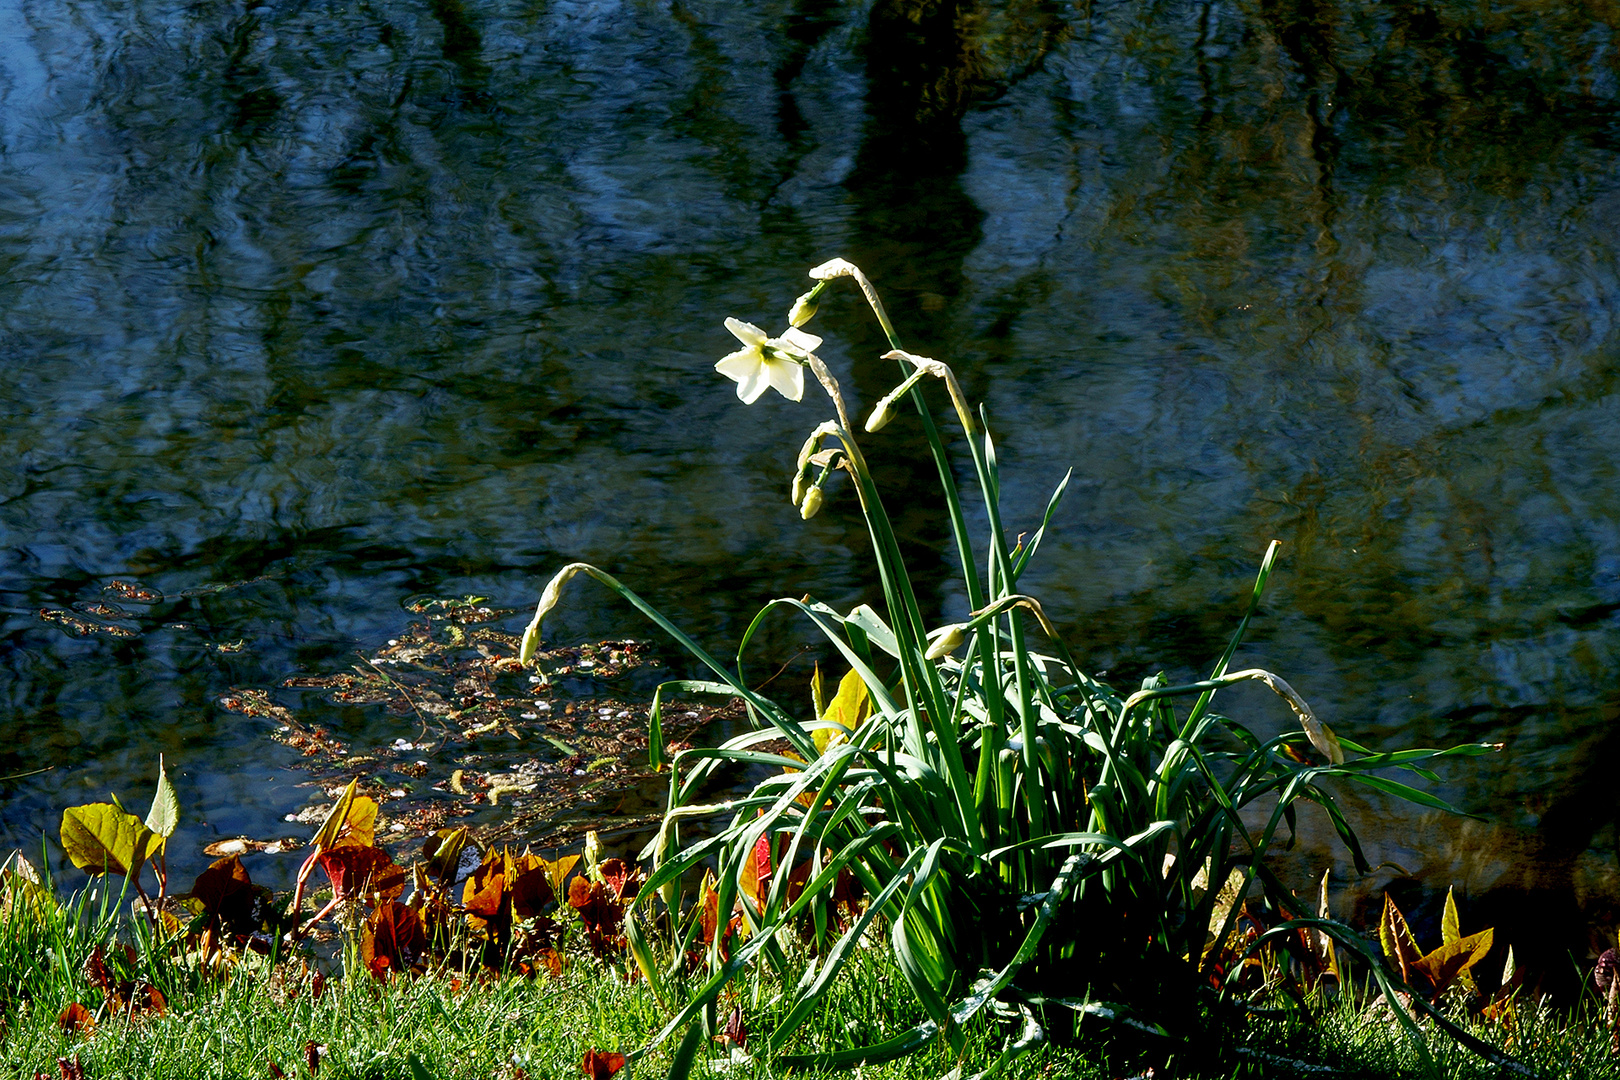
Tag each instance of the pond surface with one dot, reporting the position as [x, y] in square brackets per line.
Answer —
[312, 309]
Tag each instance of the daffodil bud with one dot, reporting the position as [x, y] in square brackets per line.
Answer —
[811, 506]
[882, 413]
[531, 641]
[809, 449]
[803, 310]
[799, 480]
[949, 639]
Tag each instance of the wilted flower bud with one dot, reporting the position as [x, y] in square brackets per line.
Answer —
[811, 506]
[882, 413]
[949, 640]
[548, 600]
[531, 641]
[803, 310]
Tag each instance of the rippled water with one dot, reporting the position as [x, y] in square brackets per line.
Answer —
[347, 304]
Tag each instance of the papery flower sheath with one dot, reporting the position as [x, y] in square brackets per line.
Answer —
[766, 361]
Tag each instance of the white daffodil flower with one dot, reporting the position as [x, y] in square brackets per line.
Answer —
[767, 361]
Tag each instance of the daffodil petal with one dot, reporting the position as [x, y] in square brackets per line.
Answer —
[786, 376]
[800, 340]
[754, 385]
[745, 367]
[747, 333]
[739, 365]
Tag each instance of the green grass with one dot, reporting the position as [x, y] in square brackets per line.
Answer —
[236, 1022]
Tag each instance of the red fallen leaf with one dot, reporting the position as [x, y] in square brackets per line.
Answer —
[599, 1065]
[358, 872]
[223, 879]
[317, 985]
[225, 895]
[625, 881]
[75, 1018]
[70, 1070]
[393, 940]
[756, 874]
[600, 911]
[736, 1032]
[312, 1057]
[275, 1072]
[97, 973]
[709, 910]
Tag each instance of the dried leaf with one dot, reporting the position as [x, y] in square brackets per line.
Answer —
[601, 912]
[624, 880]
[1442, 966]
[97, 973]
[362, 872]
[393, 940]
[754, 881]
[531, 890]
[1396, 938]
[215, 886]
[736, 1032]
[225, 895]
[484, 895]
[312, 1057]
[275, 1071]
[599, 1064]
[708, 908]
[76, 1018]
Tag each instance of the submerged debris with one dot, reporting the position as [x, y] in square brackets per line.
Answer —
[492, 745]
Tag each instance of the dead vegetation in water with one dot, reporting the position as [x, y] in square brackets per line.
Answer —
[528, 760]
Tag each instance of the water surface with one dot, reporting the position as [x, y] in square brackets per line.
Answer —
[342, 305]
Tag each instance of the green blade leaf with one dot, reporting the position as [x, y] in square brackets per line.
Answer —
[165, 813]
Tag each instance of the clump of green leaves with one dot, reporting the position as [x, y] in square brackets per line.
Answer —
[104, 838]
[1032, 844]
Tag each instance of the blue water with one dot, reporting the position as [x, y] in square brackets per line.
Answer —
[342, 305]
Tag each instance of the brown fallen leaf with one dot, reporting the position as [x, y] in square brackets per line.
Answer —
[312, 1057]
[76, 1018]
[599, 1064]
[736, 1032]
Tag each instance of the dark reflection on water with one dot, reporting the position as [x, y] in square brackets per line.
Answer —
[356, 303]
